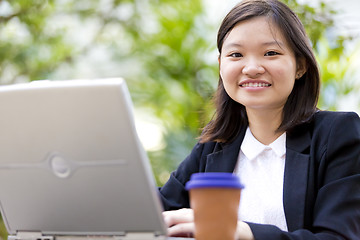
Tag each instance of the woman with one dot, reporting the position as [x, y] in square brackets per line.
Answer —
[300, 166]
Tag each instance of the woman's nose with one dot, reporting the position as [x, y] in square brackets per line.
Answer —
[253, 68]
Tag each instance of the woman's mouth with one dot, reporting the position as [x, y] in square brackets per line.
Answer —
[255, 85]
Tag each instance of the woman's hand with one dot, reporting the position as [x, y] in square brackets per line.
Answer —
[180, 222]
[243, 231]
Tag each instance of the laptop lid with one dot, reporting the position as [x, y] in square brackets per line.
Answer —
[71, 162]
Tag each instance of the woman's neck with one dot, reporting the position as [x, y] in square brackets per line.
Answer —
[264, 124]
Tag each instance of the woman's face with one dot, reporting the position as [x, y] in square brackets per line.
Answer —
[257, 65]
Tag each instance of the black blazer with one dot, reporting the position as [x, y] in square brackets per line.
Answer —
[321, 180]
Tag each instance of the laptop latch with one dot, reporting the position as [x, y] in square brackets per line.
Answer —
[142, 236]
[23, 235]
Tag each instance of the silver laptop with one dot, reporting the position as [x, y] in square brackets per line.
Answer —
[71, 164]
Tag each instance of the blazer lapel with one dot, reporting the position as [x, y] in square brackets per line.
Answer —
[296, 179]
[225, 160]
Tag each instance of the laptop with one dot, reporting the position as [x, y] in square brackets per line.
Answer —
[71, 163]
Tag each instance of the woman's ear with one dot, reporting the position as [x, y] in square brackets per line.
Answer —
[301, 67]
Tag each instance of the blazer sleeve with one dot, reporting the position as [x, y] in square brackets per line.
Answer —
[173, 194]
[336, 211]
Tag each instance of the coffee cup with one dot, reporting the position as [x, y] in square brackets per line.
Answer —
[215, 198]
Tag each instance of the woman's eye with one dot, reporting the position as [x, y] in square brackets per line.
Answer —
[271, 53]
[236, 55]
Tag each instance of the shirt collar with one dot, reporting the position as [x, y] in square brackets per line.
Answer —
[251, 147]
[279, 145]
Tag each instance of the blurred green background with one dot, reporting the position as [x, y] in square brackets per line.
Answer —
[166, 51]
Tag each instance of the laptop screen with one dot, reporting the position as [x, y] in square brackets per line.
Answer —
[71, 162]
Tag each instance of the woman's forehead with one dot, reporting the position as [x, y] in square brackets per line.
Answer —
[260, 30]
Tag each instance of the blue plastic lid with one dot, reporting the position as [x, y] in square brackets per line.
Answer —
[213, 180]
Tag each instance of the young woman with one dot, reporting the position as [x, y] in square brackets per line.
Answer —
[300, 166]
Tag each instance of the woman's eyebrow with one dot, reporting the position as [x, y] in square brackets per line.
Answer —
[275, 42]
[270, 43]
[234, 44]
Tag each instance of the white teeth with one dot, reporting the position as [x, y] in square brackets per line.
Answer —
[255, 85]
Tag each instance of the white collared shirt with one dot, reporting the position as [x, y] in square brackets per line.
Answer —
[261, 169]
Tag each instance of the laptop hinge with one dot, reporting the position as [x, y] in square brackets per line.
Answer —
[23, 235]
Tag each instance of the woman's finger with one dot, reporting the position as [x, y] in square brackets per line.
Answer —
[175, 217]
[182, 230]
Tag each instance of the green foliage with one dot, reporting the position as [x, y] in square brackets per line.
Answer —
[29, 50]
[338, 74]
[176, 72]
[3, 234]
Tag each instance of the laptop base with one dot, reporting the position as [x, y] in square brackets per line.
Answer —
[129, 236]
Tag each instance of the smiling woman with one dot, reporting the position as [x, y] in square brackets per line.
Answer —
[279, 37]
[299, 165]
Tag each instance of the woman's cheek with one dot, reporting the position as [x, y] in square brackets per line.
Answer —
[230, 72]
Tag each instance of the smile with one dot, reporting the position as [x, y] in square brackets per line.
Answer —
[255, 85]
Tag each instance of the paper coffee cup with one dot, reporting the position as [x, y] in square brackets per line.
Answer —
[215, 198]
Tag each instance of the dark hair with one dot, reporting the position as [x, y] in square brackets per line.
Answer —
[230, 116]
